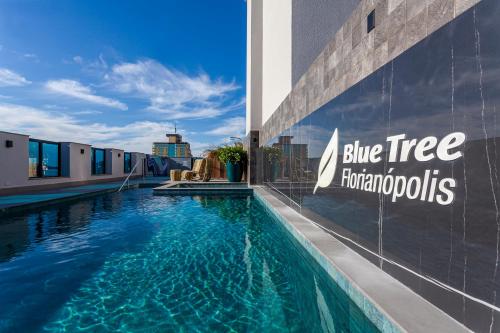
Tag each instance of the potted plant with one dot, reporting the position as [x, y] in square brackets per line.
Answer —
[272, 155]
[234, 157]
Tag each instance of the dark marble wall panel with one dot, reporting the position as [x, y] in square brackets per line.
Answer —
[446, 251]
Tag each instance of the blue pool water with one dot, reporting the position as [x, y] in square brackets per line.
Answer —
[134, 262]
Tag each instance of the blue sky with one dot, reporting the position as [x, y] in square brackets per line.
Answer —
[120, 73]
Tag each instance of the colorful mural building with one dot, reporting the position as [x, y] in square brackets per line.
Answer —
[173, 147]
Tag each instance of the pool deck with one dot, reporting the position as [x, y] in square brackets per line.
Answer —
[39, 198]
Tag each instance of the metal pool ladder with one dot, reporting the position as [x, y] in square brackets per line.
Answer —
[127, 180]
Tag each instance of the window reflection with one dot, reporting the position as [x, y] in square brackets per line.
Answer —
[34, 153]
[98, 161]
[50, 159]
[127, 160]
[44, 159]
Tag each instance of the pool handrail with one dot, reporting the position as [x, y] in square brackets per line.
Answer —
[130, 174]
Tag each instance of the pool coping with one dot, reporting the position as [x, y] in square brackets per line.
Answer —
[64, 198]
[390, 305]
[206, 188]
[69, 193]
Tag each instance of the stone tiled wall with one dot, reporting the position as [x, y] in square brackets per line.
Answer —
[314, 24]
[354, 54]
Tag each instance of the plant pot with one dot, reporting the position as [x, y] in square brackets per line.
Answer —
[274, 171]
[233, 172]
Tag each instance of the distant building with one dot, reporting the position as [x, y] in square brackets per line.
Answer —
[294, 158]
[173, 147]
[297, 150]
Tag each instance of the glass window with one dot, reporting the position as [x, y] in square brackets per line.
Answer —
[92, 161]
[171, 150]
[50, 159]
[44, 159]
[127, 160]
[34, 155]
[98, 161]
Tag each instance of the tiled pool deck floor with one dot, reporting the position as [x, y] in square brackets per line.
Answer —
[42, 197]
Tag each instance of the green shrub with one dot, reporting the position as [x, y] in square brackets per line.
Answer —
[232, 154]
[272, 154]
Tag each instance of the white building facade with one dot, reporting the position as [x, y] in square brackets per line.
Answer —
[25, 169]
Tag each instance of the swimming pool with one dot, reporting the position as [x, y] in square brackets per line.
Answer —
[134, 262]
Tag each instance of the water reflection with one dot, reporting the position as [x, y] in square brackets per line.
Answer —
[47, 253]
[228, 207]
[19, 231]
[277, 273]
[14, 238]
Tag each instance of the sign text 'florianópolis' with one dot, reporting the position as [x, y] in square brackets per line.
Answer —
[428, 186]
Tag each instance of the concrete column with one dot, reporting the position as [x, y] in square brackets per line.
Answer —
[254, 65]
[254, 166]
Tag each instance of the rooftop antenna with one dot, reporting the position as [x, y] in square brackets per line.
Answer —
[175, 127]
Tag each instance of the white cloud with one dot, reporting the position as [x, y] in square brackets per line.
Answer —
[87, 112]
[10, 78]
[78, 60]
[76, 90]
[31, 56]
[230, 127]
[54, 107]
[173, 93]
[198, 148]
[195, 113]
[43, 124]
[98, 66]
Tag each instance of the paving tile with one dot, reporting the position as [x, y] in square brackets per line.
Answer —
[356, 35]
[393, 4]
[380, 56]
[440, 12]
[414, 8]
[463, 5]
[380, 34]
[381, 12]
[346, 30]
[416, 29]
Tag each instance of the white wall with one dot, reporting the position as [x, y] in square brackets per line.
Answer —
[80, 168]
[276, 54]
[13, 161]
[269, 58]
[254, 65]
[14, 164]
[116, 156]
[248, 123]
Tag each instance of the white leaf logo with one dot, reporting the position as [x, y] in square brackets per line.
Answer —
[328, 163]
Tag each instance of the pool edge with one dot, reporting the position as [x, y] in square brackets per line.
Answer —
[47, 202]
[335, 261]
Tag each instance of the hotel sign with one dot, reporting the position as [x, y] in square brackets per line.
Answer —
[427, 186]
